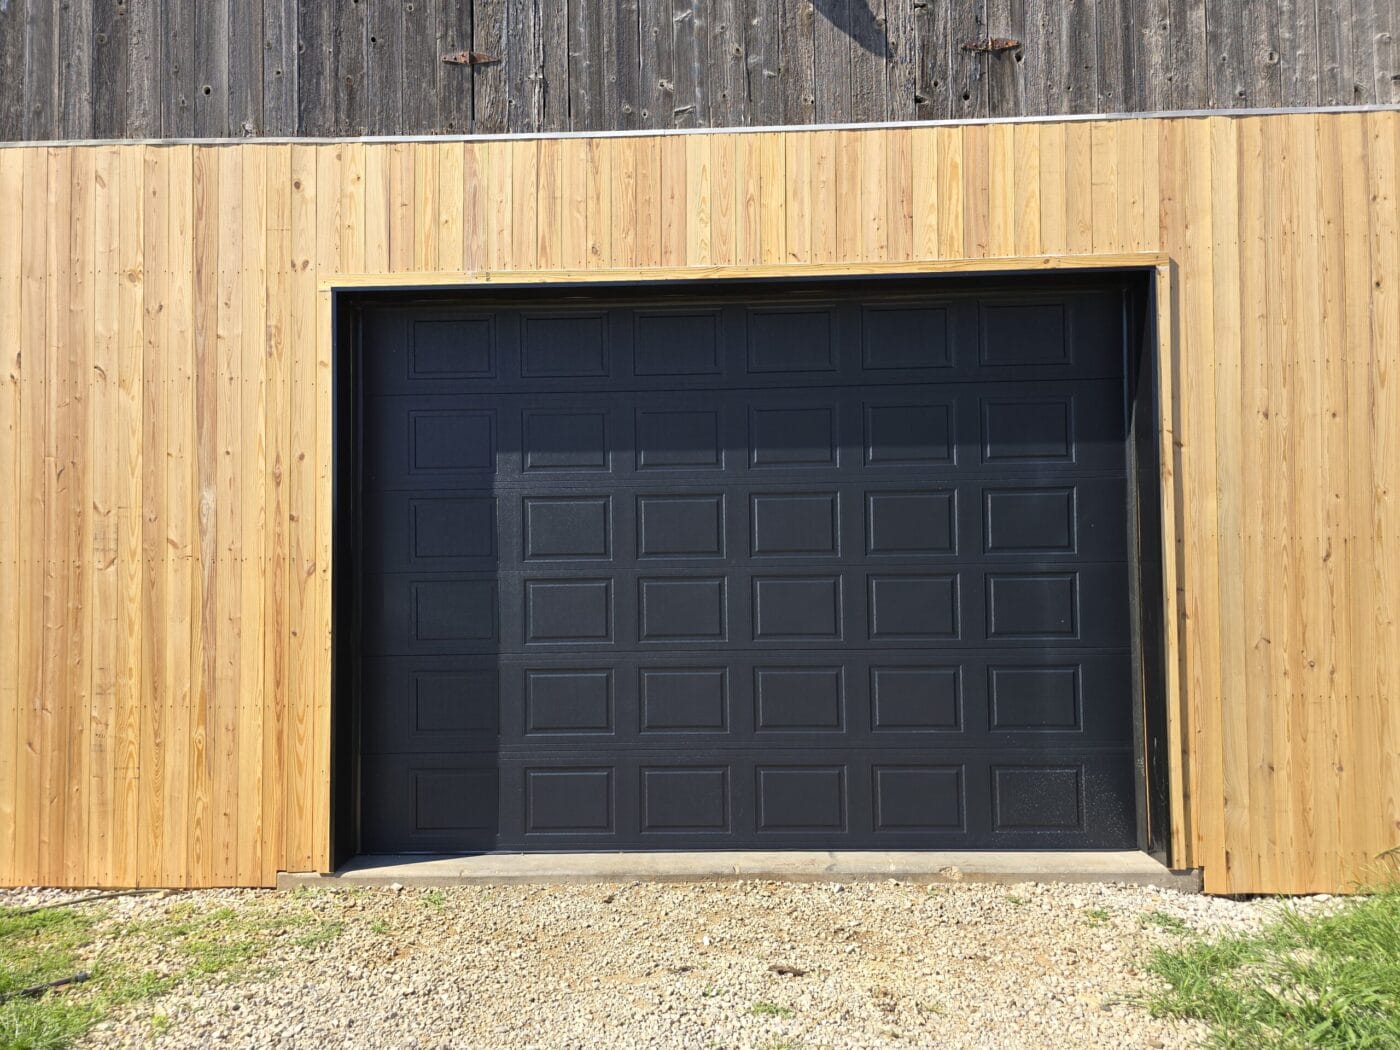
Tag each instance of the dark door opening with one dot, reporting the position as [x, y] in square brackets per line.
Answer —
[731, 565]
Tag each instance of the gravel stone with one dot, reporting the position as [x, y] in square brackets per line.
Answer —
[744, 964]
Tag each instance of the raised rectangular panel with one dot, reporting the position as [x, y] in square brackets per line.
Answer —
[459, 348]
[673, 439]
[680, 526]
[906, 523]
[795, 523]
[1028, 429]
[1029, 520]
[565, 440]
[1033, 605]
[797, 608]
[684, 699]
[563, 700]
[685, 799]
[682, 609]
[913, 433]
[442, 441]
[793, 437]
[799, 698]
[564, 345]
[454, 610]
[801, 798]
[905, 698]
[918, 798]
[1035, 698]
[560, 801]
[454, 528]
[453, 800]
[904, 337]
[1037, 798]
[676, 344]
[568, 610]
[567, 527]
[791, 340]
[913, 607]
[455, 701]
[1024, 334]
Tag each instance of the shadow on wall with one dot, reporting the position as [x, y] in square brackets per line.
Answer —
[857, 21]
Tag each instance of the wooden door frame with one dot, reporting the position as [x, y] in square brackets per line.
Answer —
[334, 327]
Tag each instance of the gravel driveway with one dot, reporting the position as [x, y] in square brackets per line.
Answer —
[724, 964]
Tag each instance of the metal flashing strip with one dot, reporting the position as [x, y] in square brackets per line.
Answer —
[524, 136]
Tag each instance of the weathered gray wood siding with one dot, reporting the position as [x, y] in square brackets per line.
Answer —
[214, 68]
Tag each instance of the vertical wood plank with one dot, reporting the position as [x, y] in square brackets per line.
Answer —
[451, 238]
[11, 365]
[926, 199]
[1384, 218]
[699, 230]
[475, 214]
[1361, 766]
[277, 667]
[299, 796]
[1246, 861]
[626, 217]
[181, 502]
[155, 698]
[378, 208]
[62, 531]
[1002, 190]
[672, 158]
[899, 195]
[253, 523]
[1028, 238]
[1232, 737]
[33, 405]
[573, 189]
[205, 753]
[103, 454]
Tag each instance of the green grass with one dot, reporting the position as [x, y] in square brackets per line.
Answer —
[1096, 916]
[1326, 981]
[186, 943]
[765, 1009]
[34, 949]
[1163, 921]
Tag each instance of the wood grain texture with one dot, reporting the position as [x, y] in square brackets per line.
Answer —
[166, 436]
[177, 68]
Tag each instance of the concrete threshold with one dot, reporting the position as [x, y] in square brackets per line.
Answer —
[797, 866]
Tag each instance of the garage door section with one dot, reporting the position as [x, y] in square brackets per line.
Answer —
[831, 567]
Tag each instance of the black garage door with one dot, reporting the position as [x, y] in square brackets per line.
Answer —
[836, 566]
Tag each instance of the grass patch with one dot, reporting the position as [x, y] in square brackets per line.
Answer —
[1328, 981]
[1096, 916]
[186, 943]
[34, 949]
[1163, 921]
[766, 1009]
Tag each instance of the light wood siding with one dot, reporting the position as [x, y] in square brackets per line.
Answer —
[165, 441]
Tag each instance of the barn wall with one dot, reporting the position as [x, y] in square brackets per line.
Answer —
[234, 68]
[165, 499]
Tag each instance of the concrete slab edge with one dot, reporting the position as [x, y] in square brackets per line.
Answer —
[1188, 881]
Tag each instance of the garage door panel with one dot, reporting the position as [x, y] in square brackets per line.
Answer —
[691, 704]
[910, 799]
[967, 430]
[899, 605]
[1012, 520]
[778, 342]
[820, 569]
